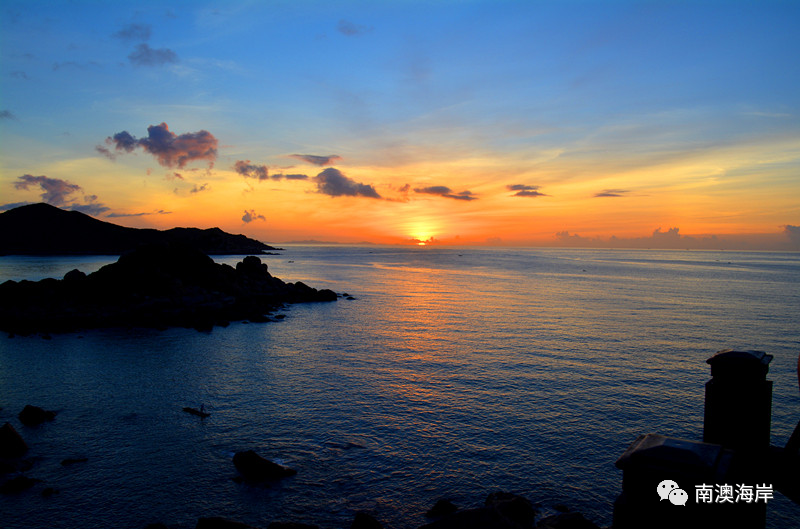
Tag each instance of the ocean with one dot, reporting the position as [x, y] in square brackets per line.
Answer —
[455, 372]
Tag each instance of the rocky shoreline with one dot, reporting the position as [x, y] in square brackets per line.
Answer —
[158, 286]
[500, 510]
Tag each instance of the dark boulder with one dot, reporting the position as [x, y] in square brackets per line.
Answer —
[11, 442]
[365, 520]
[215, 522]
[502, 510]
[256, 469]
[442, 507]
[34, 415]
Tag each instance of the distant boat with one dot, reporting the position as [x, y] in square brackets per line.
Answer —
[195, 411]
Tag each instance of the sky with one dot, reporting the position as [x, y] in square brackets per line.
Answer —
[664, 124]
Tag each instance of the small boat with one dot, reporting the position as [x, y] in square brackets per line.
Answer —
[195, 411]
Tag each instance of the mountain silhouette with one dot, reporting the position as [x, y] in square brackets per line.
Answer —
[42, 229]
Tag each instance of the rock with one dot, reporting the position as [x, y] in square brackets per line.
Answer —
[256, 469]
[568, 520]
[11, 442]
[365, 520]
[291, 525]
[220, 523]
[502, 510]
[48, 492]
[155, 286]
[34, 415]
[442, 507]
[18, 484]
[158, 525]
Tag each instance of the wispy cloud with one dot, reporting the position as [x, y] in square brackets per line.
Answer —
[315, 159]
[333, 183]
[612, 193]
[523, 190]
[144, 55]
[168, 148]
[139, 214]
[444, 191]
[140, 32]
[350, 29]
[7, 114]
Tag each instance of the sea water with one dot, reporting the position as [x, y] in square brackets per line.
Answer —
[455, 372]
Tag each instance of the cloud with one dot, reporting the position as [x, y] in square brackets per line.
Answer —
[7, 114]
[332, 182]
[523, 190]
[251, 215]
[134, 32]
[58, 192]
[248, 170]
[444, 191]
[350, 29]
[793, 232]
[54, 190]
[612, 193]
[140, 214]
[12, 205]
[316, 160]
[169, 149]
[296, 177]
[196, 189]
[144, 55]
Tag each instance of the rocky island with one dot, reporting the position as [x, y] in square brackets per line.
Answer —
[160, 286]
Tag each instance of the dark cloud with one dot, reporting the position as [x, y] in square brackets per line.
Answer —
[332, 182]
[523, 190]
[444, 191]
[7, 114]
[296, 177]
[350, 29]
[611, 193]
[317, 160]
[169, 149]
[251, 215]
[248, 170]
[19, 74]
[54, 190]
[144, 55]
[196, 189]
[58, 192]
[134, 32]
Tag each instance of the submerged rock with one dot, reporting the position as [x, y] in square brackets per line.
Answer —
[365, 520]
[18, 484]
[256, 469]
[12, 444]
[34, 415]
[154, 286]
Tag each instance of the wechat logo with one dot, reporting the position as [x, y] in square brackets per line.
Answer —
[669, 490]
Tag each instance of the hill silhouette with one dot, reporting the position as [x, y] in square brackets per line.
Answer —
[42, 229]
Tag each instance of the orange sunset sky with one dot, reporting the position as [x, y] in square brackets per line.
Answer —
[652, 124]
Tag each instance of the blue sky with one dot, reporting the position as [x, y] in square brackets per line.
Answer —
[626, 117]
